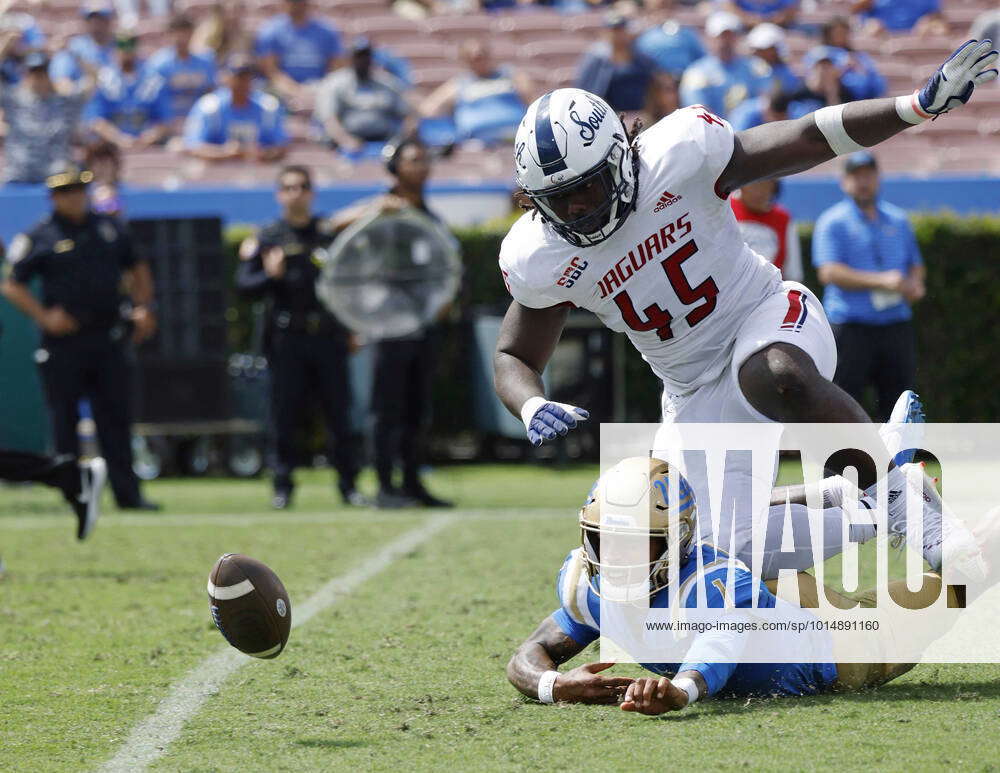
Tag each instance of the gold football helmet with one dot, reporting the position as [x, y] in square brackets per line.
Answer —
[633, 502]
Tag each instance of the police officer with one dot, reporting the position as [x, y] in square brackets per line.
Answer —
[81, 258]
[306, 346]
[404, 367]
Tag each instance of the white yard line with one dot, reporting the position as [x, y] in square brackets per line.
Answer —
[150, 739]
[114, 520]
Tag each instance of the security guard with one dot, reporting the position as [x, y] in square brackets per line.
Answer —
[81, 258]
[306, 346]
[404, 367]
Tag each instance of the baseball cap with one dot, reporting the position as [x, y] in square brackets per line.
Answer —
[859, 160]
[360, 45]
[96, 8]
[818, 54]
[241, 64]
[766, 35]
[65, 174]
[36, 60]
[722, 21]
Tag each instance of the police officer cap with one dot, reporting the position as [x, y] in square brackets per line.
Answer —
[67, 175]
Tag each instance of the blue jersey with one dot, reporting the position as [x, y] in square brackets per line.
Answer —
[579, 616]
[721, 86]
[215, 120]
[131, 101]
[186, 79]
[304, 52]
[901, 15]
[488, 109]
[64, 64]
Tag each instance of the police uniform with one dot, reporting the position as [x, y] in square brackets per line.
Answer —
[305, 345]
[80, 266]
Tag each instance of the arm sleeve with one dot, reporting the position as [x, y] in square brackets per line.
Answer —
[25, 259]
[824, 243]
[573, 615]
[792, 269]
[251, 279]
[196, 127]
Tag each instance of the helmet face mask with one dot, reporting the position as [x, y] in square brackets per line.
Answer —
[644, 510]
[574, 161]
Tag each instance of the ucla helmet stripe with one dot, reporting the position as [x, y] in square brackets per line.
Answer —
[549, 157]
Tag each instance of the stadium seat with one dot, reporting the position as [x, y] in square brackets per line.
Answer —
[459, 28]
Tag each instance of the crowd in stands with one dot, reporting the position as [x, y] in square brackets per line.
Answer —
[219, 91]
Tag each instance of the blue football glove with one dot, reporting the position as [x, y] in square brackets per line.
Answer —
[545, 420]
[971, 65]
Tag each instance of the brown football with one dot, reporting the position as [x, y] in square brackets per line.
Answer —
[249, 605]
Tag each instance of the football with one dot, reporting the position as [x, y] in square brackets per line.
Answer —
[249, 605]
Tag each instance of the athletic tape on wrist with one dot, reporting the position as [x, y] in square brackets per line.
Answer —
[545, 684]
[908, 108]
[688, 685]
[830, 121]
[531, 405]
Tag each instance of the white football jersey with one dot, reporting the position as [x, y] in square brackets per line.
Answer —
[677, 277]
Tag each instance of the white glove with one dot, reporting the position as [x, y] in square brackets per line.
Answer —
[971, 65]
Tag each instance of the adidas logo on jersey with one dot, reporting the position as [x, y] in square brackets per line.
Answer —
[665, 201]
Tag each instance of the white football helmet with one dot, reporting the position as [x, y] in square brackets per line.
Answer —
[573, 159]
[629, 504]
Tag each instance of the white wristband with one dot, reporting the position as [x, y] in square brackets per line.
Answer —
[688, 685]
[830, 121]
[545, 684]
[531, 405]
[908, 108]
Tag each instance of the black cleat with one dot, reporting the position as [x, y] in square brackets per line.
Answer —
[393, 499]
[142, 504]
[281, 500]
[354, 498]
[87, 504]
[424, 498]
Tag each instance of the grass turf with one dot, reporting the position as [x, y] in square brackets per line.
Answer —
[405, 672]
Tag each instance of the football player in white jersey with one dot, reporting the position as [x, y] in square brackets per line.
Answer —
[638, 231]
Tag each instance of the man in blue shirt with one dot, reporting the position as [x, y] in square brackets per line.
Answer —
[767, 41]
[97, 47]
[237, 121]
[296, 49]
[614, 68]
[901, 16]
[671, 47]
[19, 35]
[866, 255]
[131, 108]
[187, 75]
[752, 12]
[859, 73]
[724, 79]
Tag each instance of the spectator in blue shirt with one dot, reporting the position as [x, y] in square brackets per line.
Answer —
[767, 42]
[237, 121]
[130, 108]
[96, 46]
[822, 86]
[900, 16]
[866, 255]
[753, 12]
[859, 74]
[487, 101]
[19, 35]
[297, 49]
[187, 75]
[615, 69]
[724, 78]
[772, 106]
[671, 47]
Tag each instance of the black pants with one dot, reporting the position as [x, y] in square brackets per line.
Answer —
[61, 472]
[301, 365]
[881, 355]
[401, 402]
[95, 366]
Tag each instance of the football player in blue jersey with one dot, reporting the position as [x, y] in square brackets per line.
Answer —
[705, 578]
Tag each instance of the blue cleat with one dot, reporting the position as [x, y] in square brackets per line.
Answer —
[907, 410]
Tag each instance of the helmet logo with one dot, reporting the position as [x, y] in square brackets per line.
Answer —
[590, 124]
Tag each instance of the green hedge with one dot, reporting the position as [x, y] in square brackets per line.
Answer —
[958, 323]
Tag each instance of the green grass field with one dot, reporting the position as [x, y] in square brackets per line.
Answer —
[407, 670]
